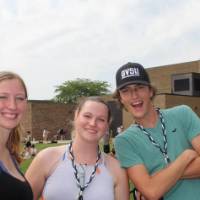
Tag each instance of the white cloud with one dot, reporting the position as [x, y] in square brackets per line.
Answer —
[49, 41]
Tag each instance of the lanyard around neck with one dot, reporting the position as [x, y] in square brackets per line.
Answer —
[78, 181]
[157, 145]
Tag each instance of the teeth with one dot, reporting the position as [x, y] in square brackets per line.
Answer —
[91, 131]
[136, 103]
[10, 115]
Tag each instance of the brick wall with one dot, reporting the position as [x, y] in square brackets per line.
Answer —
[49, 115]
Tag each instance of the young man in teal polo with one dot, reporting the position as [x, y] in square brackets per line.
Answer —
[161, 149]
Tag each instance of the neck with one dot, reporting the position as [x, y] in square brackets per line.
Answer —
[4, 138]
[150, 119]
[84, 153]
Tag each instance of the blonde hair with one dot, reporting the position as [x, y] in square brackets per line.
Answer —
[82, 102]
[94, 99]
[14, 139]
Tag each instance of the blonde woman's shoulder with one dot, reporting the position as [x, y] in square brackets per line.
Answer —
[47, 159]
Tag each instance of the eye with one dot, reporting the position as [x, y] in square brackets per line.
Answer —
[87, 116]
[3, 97]
[124, 90]
[101, 119]
[20, 98]
[140, 86]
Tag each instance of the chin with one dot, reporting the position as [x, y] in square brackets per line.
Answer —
[9, 126]
[138, 116]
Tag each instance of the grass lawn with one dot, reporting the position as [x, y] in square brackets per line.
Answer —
[26, 163]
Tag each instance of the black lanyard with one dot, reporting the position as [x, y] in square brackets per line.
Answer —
[82, 188]
[164, 150]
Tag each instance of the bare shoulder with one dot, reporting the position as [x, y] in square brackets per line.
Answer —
[47, 158]
[119, 174]
[113, 164]
[120, 178]
[50, 153]
[53, 151]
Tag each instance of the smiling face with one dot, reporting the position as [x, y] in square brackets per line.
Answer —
[91, 121]
[13, 103]
[136, 98]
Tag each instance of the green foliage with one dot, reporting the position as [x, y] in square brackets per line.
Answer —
[71, 91]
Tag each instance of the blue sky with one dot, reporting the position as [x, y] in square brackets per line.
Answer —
[50, 41]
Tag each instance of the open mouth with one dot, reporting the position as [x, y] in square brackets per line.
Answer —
[137, 104]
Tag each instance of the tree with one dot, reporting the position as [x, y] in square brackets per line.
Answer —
[70, 91]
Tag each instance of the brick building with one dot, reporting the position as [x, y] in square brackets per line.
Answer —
[52, 116]
[49, 115]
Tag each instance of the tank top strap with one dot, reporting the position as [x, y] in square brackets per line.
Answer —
[17, 166]
[65, 155]
[103, 158]
[66, 152]
[2, 167]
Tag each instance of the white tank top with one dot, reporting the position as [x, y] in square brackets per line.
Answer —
[61, 184]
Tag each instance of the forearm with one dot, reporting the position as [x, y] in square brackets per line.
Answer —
[165, 179]
[192, 170]
[155, 186]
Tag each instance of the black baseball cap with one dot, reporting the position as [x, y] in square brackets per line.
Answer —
[131, 73]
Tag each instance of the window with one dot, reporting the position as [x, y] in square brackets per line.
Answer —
[181, 85]
[197, 84]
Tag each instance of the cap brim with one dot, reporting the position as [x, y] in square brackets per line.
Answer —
[132, 82]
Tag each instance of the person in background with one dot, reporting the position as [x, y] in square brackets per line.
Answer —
[13, 102]
[106, 142]
[119, 130]
[29, 136]
[26, 154]
[79, 170]
[45, 134]
[33, 150]
[161, 149]
[61, 133]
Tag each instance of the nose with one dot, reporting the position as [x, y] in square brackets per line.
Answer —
[134, 92]
[12, 104]
[92, 122]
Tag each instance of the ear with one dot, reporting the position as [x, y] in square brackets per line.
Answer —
[121, 101]
[76, 114]
[151, 93]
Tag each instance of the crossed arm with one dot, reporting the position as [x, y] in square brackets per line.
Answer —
[153, 187]
[193, 169]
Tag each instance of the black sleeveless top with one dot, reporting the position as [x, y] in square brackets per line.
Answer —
[12, 188]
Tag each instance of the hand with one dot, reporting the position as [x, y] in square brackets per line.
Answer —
[190, 154]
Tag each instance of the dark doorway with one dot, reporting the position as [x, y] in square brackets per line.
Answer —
[116, 112]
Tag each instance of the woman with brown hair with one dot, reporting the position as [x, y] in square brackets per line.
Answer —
[13, 102]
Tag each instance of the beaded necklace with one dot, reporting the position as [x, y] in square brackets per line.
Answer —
[164, 150]
[82, 186]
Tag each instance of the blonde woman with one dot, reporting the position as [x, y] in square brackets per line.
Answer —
[80, 170]
[13, 101]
